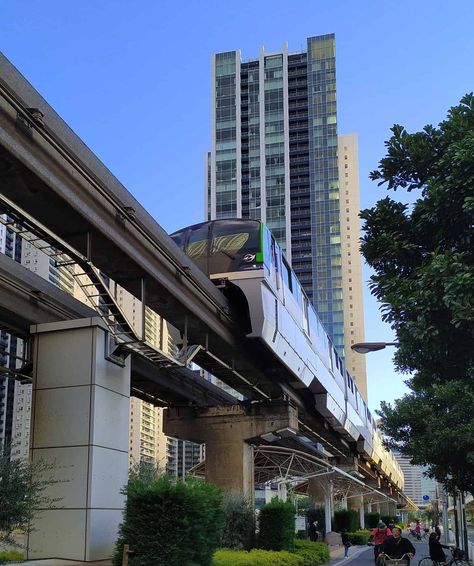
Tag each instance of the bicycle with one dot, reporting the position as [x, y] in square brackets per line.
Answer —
[386, 560]
[458, 558]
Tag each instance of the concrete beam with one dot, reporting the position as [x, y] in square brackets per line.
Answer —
[227, 432]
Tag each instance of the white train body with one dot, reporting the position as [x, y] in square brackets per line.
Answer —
[282, 317]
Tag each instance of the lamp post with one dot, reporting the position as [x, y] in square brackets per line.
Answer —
[366, 347]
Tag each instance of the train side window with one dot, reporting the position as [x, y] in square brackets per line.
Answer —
[330, 354]
[286, 274]
[274, 257]
[305, 315]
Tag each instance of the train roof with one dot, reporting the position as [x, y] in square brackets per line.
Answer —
[229, 221]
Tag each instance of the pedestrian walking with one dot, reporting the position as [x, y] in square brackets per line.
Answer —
[345, 542]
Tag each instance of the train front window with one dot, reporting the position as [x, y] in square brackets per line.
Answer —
[197, 246]
[233, 236]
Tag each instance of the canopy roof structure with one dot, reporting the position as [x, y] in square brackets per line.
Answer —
[294, 468]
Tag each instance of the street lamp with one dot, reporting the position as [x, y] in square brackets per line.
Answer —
[366, 347]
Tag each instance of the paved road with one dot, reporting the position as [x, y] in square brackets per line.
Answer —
[365, 555]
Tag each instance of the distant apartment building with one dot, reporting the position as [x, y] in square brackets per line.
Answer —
[276, 157]
[421, 489]
[351, 260]
[15, 398]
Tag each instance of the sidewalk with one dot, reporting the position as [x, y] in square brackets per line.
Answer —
[57, 562]
[337, 555]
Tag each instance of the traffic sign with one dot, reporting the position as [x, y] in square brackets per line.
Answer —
[426, 497]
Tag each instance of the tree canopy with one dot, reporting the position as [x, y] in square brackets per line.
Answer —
[23, 494]
[422, 255]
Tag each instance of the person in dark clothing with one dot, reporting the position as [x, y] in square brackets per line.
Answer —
[396, 546]
[436, 549]
[437, 531]
[313, 530]
[345, 542]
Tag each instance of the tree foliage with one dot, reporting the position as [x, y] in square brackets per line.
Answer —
[422, 255]
[23, 493]
[239, 522]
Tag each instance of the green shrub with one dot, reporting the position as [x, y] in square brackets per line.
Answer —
[169, 524]
[347, 519]
[227, 557]
[11, 556]
[313, 553]
[239, 526]
[359, 537]
[276, 525]
[372, 520]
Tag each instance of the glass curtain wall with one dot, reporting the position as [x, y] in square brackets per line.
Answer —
[226, 135]
[324, 179]
[275, 148]
[251, 192]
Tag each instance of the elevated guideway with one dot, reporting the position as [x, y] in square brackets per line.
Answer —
[27, 299]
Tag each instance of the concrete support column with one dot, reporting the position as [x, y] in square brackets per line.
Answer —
[384, 508]
[321, 493]
[369, 507]
[268, 494]
[80, 425]
[282, 491]
[356, 502]
[362, 513]
[226, 431]
[329, 506]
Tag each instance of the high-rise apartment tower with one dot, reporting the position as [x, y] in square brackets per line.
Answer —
[274, 157]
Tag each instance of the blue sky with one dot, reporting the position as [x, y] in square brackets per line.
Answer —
[133, 80]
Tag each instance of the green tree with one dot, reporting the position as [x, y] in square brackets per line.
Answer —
[23, 492]
[422, 255]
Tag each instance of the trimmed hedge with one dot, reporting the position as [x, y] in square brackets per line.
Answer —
[359, 537]
[372, 520]
[169, 524]
[8, 556]
[276, 525]
[313, 553]
[227, 557]
[347, 519]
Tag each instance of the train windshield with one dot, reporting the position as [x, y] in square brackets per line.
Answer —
[234, 236]
[234, 245]
[222, 246]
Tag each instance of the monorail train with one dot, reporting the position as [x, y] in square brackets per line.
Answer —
[244, 253]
